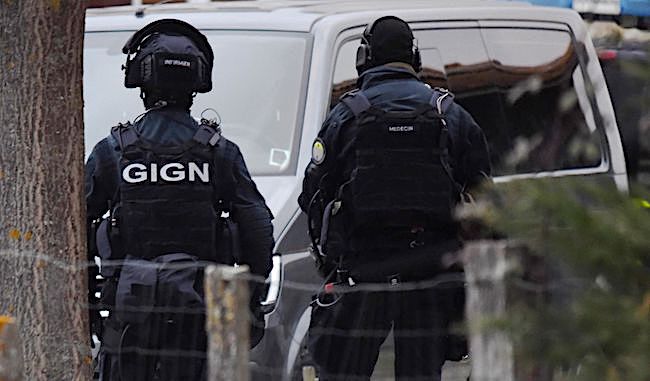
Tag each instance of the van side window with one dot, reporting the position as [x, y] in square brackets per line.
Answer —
[345, 72]
[524, 88]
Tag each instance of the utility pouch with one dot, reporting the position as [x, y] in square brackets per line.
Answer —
[109, 266]
[92, 239]
[136, 290]
[180, 282]
[168, 281]
[229, 243]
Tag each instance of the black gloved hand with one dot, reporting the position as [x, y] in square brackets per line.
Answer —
[258, 326]
[257, 321]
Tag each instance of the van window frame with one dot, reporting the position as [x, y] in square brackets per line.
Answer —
[605, 167]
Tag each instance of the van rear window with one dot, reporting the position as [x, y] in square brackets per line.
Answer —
[524, 87]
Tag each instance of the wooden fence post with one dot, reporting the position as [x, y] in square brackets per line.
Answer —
[11, 358]
[227, 322]
[489, 268]
[500, 275]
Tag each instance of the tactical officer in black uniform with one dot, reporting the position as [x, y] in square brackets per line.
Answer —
[168, 183]
[389, 164]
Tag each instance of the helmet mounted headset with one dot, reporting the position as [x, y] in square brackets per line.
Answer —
[365, 57]
[166, 69]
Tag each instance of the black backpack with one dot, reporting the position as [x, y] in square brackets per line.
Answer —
[397, 178]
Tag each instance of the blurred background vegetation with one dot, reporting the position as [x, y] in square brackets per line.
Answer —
[591, 317]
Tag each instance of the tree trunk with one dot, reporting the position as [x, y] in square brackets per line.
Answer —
[42, 213]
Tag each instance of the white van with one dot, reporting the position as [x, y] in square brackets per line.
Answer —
[529, 76]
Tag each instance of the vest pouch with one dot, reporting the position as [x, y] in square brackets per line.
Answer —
[179, 283]
[114, 236]
[228, 241]
[109, 259]
[160, 309]
[333, 237]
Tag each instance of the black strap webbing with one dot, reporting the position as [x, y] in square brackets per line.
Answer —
[207, 135]
[441, 100]
[224, 158]
[125, 135]
[357, 103]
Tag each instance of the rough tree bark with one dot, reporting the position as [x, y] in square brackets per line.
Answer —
[42, 233]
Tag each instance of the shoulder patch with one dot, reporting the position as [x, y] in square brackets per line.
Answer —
[318, 152]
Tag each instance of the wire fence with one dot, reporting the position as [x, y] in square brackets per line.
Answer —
[169, 321]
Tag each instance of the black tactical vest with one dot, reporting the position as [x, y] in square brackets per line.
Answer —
[167, 201]
[398, 175]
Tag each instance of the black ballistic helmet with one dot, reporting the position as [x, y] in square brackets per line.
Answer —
[387, 39]
[171, 56]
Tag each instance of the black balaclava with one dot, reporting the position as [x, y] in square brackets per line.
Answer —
[168, 43]
[391, 41]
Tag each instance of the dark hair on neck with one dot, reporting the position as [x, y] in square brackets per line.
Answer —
[153, 97]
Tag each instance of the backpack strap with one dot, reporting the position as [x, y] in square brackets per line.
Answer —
[356, 101]
[441, 99]
[207, 134]
[125, 135]
[224, 159]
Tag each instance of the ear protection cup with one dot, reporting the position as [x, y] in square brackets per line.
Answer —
[417, 59]
[363, 57]
[140, 70]
[364, 51]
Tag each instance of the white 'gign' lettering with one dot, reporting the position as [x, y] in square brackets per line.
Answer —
[170, 172]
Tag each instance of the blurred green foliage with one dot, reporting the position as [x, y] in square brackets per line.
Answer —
[595, 322]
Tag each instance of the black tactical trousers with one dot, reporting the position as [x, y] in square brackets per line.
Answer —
[345, 338]
[166, 349]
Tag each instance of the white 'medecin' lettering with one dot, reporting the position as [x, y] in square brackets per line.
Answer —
[170, 172]
[178, 175]
[401, 128]
[203, 173]
[140, 173]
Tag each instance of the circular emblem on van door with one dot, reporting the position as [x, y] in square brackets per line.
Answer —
[318, 152]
